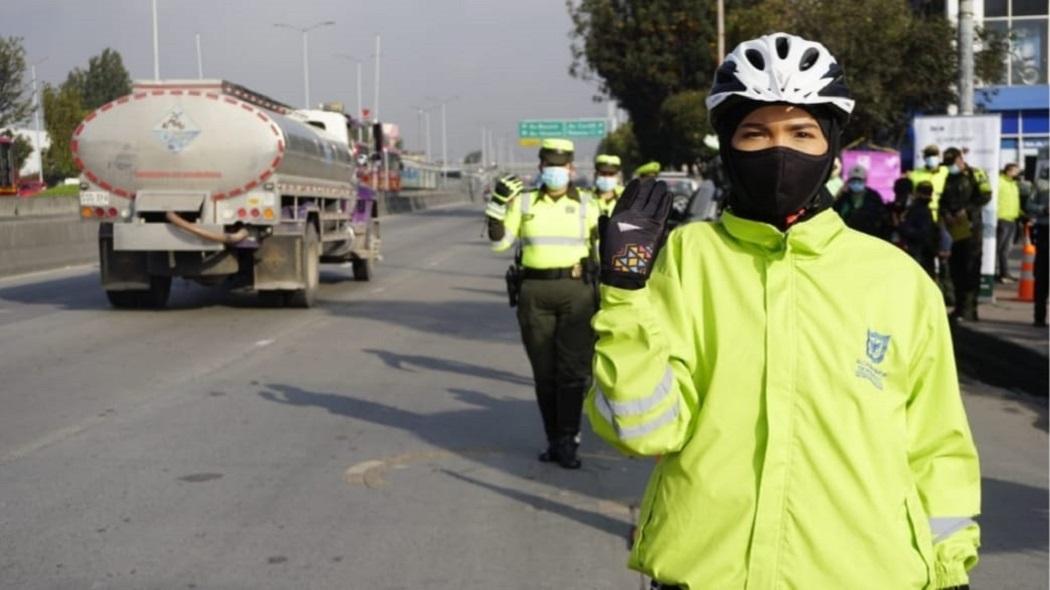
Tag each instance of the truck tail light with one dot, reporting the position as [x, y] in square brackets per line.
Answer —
[112, 212]
[255, 213]
[100, 212]
[242, 213]
[87, 212]
[268, 213]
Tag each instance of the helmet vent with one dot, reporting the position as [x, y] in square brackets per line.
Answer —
[808, 59]
[755, 58]
[783, 46]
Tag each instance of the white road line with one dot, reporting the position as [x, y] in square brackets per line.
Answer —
[267, 342]
[40, 273]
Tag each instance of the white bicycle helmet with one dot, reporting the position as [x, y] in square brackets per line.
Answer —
[780, 68]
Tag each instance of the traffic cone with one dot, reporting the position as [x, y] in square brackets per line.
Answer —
[1026, 286]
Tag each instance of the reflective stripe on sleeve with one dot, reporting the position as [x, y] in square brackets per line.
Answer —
[552, 241]
[612, 411]
[495, 210]
[943, 527]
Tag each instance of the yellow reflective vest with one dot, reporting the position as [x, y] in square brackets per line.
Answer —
[802, 391]
[554, 233]
[935, 177]
[1008, 203]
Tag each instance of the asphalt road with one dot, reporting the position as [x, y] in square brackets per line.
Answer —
[385, 439]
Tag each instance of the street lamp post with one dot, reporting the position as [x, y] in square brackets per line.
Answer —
[156, 44]
[37, 107]
[375, 106]
[306, 50]
[200, 59]
[358, 62]
[444, 134]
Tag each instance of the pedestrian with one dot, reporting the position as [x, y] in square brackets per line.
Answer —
[810, 428]
[556, 225]
[966, 191]
[1037, 208]
[920, 234]
[1007, 210]
[607, 182]
[861, 207]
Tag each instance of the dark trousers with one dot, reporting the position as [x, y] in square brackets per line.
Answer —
[1004, 242]
[965, 266]
[1041, 239]
[555, 319]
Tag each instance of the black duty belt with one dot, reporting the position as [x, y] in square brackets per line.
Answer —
[551, 274]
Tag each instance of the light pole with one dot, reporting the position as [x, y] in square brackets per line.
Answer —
[375, 105]
[358, 62]
[37, 107]
[156, 45]
[200, 59]
[444, 133]
[306, 51]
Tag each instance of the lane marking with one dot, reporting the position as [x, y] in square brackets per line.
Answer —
[267, 342]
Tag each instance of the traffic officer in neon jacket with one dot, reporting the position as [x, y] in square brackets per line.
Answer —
[810, 427]
[607, 181]
[556, 226]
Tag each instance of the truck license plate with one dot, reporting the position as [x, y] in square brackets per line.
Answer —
[94, 198]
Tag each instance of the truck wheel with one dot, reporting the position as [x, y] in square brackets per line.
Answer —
[363, 268]
[311, 269]
[156, 297]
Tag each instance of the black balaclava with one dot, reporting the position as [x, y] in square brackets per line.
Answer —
[779, 186]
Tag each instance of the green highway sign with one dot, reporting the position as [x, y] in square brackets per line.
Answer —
[567, 128]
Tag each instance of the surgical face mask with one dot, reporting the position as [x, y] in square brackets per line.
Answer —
[953, 169]
[605, 183]
[555, 177]
[856, 185]
[932, 162]
[773, 183]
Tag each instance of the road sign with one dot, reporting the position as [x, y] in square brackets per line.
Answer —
[567, 128]
[529, 142]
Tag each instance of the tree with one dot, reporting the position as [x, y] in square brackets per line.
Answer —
[622, 143]
[104, 80]
[15, 102]
[65, 111]
[897, 62]
[21, 148]
[683, 122]
[642, 52]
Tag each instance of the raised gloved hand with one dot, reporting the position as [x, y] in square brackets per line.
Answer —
[506, 188]
[633, 236]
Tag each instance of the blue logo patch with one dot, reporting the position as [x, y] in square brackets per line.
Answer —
[877, 346]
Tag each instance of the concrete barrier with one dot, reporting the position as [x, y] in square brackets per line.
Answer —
[19, 207]
[44, 233]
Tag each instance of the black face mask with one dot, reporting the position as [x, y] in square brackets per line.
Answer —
[774, 183]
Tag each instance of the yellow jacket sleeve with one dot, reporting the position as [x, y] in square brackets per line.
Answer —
[511, 224]
[644, 396]
[942, 454]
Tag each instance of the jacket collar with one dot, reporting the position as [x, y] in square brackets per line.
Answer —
[811, 236]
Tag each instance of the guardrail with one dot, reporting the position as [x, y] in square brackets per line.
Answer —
[41, 233]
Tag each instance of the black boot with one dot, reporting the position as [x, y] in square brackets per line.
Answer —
[566, 454]
[550, 455]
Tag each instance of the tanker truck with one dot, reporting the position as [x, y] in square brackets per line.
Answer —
[215, 183]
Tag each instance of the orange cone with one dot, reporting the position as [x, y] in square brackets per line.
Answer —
[1026, 286]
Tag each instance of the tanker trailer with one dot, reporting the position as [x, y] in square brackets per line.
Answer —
[209, 181]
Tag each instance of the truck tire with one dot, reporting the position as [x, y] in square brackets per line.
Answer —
[156, 297]
[363, 268]
[311, 270]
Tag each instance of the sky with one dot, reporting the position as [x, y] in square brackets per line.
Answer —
[504, 60]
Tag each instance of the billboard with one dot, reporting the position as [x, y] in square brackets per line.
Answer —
[884, 168]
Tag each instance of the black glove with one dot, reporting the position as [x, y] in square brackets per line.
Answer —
[633, 236]
[506, 188]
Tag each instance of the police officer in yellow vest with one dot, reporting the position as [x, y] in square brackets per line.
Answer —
[556, 226]
[607, 181]
[933, 172]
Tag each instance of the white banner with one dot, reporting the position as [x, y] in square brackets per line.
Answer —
[978, 137]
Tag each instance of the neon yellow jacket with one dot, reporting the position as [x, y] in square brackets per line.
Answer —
[935, 177]
[1008, 203]
[606, 206]
[555, 233]
[803, 395]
